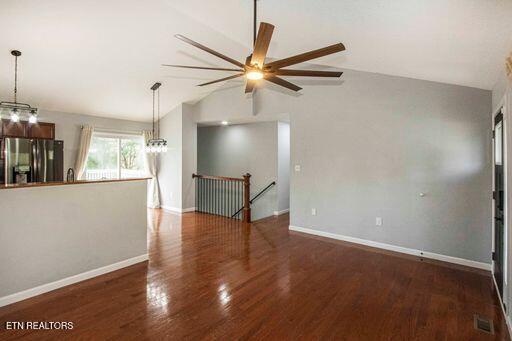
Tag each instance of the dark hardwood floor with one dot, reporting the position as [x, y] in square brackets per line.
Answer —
[213, 278]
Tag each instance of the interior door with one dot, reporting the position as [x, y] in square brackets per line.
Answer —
[499, 201]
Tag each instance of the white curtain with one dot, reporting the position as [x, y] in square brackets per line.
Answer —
[150, 164]
[83, 151]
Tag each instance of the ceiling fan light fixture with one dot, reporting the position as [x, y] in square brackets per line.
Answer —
[254, 75]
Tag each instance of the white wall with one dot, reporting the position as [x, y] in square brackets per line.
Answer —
[175, 168]
[189, 157]
[238, 149]
[283, 166]
[368, 145]
[502, 98]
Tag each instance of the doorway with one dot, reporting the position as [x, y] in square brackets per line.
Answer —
[499, 202]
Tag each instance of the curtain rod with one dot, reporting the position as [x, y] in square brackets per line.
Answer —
[112, 130]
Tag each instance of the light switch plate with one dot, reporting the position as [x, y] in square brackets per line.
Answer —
[378, 221]
[313, 211]
[297, 168]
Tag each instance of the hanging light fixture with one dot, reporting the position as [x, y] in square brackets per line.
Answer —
[156, 144]
[16, 108]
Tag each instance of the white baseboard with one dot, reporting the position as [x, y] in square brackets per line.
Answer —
[281, 212]
[415, 252]
[23, 295]
[178, 210]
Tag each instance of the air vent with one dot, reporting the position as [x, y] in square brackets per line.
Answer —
[483, 324]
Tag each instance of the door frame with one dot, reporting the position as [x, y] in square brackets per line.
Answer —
[501, 109]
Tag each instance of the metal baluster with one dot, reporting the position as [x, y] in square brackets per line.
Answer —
[216, 196]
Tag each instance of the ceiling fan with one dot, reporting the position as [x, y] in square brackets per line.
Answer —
[255, 67]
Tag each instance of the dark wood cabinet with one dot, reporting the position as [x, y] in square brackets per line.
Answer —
[41, 131]
[11, 129]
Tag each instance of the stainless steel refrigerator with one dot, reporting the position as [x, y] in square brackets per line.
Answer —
[33, 160]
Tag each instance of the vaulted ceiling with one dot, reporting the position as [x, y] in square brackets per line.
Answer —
[100, 57]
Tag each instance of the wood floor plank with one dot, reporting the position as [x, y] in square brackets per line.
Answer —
[214, 278]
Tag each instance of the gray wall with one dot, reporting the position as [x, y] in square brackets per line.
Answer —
[370, 143]
[238, 149]
[67, 128]
[283, 166]
[69, 230]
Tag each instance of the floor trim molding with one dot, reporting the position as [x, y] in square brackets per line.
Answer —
[178, 210]
[23, 295]
[415, 252]
[281, 212]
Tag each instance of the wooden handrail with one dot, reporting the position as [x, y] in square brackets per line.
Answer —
[225, 178]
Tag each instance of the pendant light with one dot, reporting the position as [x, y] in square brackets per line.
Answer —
[156, 144]
[16, 108]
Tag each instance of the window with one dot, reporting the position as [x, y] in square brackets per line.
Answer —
[115, 157]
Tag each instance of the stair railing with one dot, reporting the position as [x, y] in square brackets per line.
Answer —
[260, 193]
[222, 195]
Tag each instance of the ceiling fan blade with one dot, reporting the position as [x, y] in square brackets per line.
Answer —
[308, 73]
[203, 67]
[305, 56]
[282, 82]
[209, 50]
[249, 86]
[222, 79]
[261, 44]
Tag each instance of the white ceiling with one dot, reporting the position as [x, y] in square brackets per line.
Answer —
[100, 57]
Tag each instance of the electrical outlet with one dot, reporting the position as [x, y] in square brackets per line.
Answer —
[378, 221]
[297, 168]
[313, 211]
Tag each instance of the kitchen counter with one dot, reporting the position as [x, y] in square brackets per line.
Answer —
[64, 183]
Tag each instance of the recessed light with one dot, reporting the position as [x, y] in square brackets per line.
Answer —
[224, 123]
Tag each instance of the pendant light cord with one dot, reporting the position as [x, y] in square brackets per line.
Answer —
[158, 113]
[153, 120]
[15, 78]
